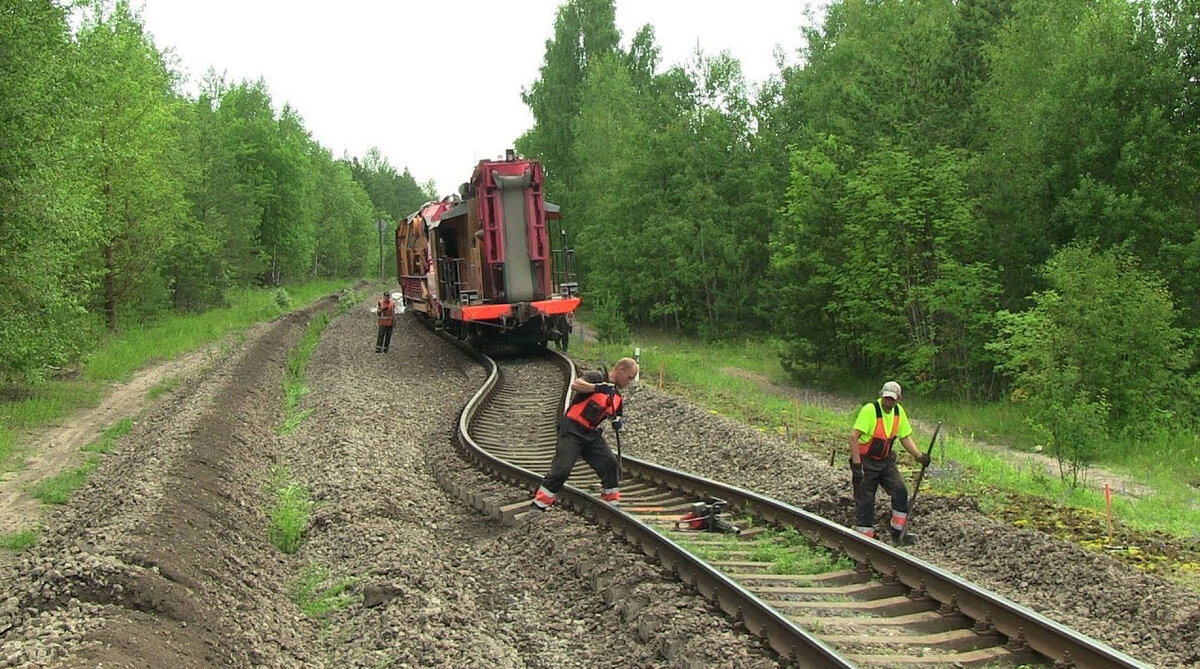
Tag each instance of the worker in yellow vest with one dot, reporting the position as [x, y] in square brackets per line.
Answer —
[873, 463]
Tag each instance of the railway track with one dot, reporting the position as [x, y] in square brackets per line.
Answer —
[884, 608]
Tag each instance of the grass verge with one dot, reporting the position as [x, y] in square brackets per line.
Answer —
[110, 435]
[160, 389]
[58, 488]
[294, 385]
[745, 381]
[19, 540]
[290, 513]
[119, 355]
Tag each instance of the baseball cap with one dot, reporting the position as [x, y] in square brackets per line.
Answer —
[890, 389]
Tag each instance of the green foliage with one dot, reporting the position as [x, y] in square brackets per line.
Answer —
[19, 540]
[607, 320]
[294, 386]
[1097, 352]
[886, 249]
[47, 212]
[133, 157]
[32, 405]
[121, 199]
[290, 513]
[282, 299]
[58, 489]
[316, 597]
[108, 438]
[585, 33]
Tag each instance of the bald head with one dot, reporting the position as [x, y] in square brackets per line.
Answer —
[624, 372]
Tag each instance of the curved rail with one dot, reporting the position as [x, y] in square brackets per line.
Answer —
[783, 635]
[1025, 629]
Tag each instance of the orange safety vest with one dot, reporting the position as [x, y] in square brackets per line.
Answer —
[880, 445]
[386, 310]
[593, 409]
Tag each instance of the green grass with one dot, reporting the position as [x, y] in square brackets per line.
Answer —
[118, 356]
[290, 513]
[108, 438]
[58, 488]
[728, 379]
[787, 551]
[316, 596]
[294, 386]
[19, 540]
[160, 389]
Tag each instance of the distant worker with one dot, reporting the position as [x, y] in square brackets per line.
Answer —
[385, 312]
[872, 462]
[595, 399]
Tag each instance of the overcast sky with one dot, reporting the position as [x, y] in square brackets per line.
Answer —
[436, 84]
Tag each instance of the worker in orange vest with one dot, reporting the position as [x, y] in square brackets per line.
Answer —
[385, 312]
[580, 433]
[873, 462]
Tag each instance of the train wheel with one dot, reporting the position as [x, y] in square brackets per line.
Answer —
[562, 341]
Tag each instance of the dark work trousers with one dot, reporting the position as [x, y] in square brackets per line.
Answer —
[878, 473]
[574, 441]
[384, 338]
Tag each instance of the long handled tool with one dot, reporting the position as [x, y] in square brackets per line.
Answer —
[618, 433]
[604, 372]
[912, 501]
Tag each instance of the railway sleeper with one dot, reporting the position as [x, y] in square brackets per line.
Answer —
[923, 622]
[868, 591]
[884, 607]
[984, 657]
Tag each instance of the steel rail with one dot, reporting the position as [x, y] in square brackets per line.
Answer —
[784, 636]
[1067, 647]
[1023, 626]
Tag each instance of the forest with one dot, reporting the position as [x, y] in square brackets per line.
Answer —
[123, 198]
[990, 199]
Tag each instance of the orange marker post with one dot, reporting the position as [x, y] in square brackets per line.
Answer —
[1108, 505]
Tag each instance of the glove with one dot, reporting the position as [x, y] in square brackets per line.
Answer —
[606, 388]
[856, 474]
[617, 425]
[924, 458]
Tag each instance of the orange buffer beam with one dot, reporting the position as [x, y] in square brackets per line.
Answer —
[492, 312]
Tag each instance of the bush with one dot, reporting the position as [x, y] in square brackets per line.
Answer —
[282, 298]
[1098, 348]
[610, 325]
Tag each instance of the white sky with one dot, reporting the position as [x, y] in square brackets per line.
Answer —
[435, 84]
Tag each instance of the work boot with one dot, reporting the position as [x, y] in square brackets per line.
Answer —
[909, 539]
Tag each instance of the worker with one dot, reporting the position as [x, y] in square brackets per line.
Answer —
[385, 312]
[873, 463]
[595, 399]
